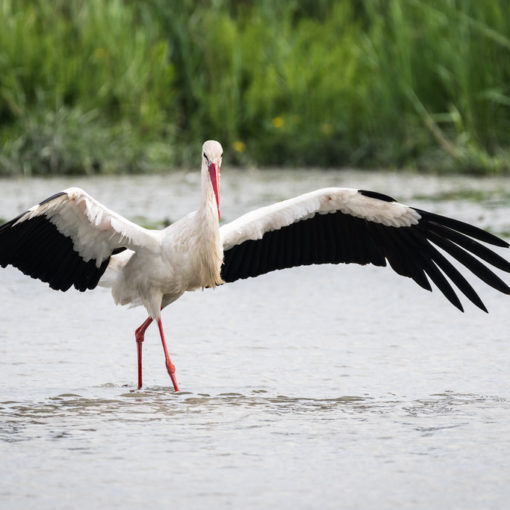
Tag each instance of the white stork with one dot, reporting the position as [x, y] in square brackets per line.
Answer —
[72, 239]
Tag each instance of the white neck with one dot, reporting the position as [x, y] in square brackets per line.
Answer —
[208, 208]
[208, 223]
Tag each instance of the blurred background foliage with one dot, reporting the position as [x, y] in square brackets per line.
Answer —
[95, 86]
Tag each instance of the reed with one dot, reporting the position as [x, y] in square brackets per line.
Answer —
[136, 86]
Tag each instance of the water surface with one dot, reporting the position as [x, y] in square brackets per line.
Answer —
[324, 387]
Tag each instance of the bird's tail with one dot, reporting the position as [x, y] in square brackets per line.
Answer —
[114, 269]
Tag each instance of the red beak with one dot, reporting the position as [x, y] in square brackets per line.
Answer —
[214, 174]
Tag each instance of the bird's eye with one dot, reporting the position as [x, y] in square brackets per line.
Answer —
[205, 156]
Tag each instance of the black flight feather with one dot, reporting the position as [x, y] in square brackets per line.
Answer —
[38, 249]
[341, 238]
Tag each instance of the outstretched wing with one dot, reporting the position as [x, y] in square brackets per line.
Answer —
[68, 239]
[336, 225]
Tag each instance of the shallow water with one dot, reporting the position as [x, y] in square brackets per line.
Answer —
[323, 387]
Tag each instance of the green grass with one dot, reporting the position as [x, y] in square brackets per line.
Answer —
[91, 93]
[126, 86]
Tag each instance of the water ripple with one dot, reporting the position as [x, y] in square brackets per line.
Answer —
[157, 403]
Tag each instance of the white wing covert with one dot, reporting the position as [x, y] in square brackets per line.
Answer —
[68, 239]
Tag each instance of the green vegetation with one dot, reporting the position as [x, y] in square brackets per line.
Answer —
[128, 86]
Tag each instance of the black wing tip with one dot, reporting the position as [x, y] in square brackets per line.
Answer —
[462, 226]
[377, 195]
[479, 304]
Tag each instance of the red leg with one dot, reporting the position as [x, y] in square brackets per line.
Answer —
[169, 365]
[139, 335]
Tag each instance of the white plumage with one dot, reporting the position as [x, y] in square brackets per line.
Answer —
[72, 239]
[255, 224]
[95, 230]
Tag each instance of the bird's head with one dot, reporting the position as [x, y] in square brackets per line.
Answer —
[212, 153]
